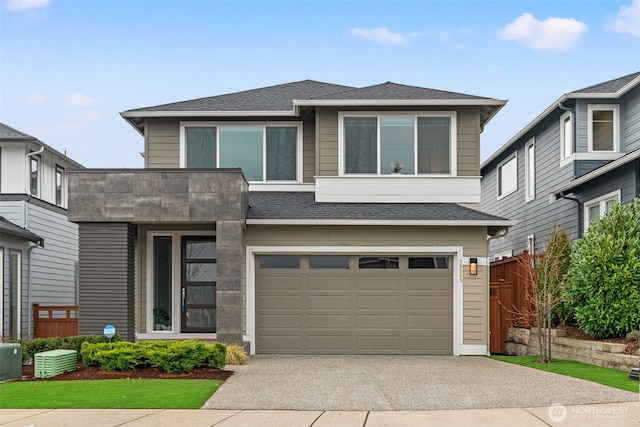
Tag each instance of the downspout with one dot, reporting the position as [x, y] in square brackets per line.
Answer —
[579, 205]
[25, 222]
[29, 305]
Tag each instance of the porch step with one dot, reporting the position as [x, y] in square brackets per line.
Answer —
[55, 362]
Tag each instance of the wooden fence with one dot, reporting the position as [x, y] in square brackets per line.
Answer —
[55, 321]
[509, 280]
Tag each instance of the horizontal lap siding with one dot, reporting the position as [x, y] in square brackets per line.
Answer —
[631, 120]
[162, 143]
[308, 149]
[327, 144]
[107, 278]
[468, 140]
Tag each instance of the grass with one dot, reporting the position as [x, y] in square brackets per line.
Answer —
[107, 394]
[597, 374]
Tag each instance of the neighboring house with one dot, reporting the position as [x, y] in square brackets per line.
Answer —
[38, 246]
[300, 218]
[567, 166]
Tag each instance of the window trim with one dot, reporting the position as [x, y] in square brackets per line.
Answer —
[263, 124]
[565, 158]
[59, 170]
[616, 126]
[453, 139]
[531, 243]
[601, 201]
[38, 160]
[529, 187]
[513, 156]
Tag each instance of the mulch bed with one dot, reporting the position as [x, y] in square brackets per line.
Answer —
[574, 332]
[93, 373]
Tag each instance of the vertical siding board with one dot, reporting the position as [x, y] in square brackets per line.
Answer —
[107, 278]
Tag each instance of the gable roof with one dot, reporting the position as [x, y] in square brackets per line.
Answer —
[287, 99]
[610, 89]
[7, 227]
[9, 134]
[301, 208]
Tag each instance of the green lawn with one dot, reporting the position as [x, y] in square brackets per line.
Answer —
[108, 394]
[606, 376]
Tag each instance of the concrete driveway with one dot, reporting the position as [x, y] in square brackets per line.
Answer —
[400, 383]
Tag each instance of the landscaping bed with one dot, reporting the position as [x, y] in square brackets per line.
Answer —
[577, 333]
[95, 373]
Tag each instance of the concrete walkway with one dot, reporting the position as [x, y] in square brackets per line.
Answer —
[400, 383]
[619, 415]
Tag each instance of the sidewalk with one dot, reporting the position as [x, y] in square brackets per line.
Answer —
[611, 414]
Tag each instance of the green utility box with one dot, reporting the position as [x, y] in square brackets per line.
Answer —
[55, 362]
[10, 361]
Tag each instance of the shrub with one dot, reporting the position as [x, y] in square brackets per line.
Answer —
[236, 355]
[604, 280]
[38, 345]
[217, 355]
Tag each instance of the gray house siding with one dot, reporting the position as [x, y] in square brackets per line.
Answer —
[624, 179]
[107, 276]
[537, 216]
[631, 120]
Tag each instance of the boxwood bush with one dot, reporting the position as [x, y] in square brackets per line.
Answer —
[170, 356]
[38, 345]
[604, 280]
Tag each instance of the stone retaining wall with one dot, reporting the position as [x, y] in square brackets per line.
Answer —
[596, 353]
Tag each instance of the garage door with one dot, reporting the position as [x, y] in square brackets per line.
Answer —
[354, 304]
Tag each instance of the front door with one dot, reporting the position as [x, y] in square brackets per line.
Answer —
[198, 284]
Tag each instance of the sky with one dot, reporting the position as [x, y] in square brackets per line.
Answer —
[68, 68]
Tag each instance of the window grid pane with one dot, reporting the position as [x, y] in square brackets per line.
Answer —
[602, 130]
[281, 153]
[508, 177]
[200, 147]
[242, 147]
[434, 144]
[360, 144]
[396, 145]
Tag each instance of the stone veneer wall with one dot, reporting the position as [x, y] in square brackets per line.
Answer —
[596, 353]
[169, 196]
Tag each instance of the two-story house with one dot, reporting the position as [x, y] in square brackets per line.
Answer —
[300, 218]
[567, 167]
[38, 246]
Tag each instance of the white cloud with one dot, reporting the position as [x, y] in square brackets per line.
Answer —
[78, 100]
[556, 34]
[380, 35]
[20, 5]
[627, 20]
[92, 116]
[37, 99]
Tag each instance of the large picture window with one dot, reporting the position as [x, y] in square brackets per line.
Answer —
[264, 152]
[508, 176]
[391, 144]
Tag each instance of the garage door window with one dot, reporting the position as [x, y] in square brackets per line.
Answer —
[328, 261]
[279, 261]
[429, 262]
[378, 262]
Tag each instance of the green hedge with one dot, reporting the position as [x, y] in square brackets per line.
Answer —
[170, 356]
[38, 345]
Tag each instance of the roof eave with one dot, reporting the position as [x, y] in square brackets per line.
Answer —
[440, 223]
[396, 102]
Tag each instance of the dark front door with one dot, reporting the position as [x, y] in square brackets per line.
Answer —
[198, 287]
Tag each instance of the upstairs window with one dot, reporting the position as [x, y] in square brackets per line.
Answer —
[264, 152]
[392, 144]
[508, 176]
[59, 185]
[597, 208]
[603, 128]
[530, 172]
[34, 175]
[566, 136]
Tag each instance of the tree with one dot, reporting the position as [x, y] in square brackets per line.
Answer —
[604, 282]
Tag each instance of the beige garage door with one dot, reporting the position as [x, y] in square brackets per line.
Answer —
[354, 304]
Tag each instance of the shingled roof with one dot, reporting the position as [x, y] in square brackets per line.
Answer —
[394, 91]
[296, 206]
[7, 132]
[610, 87]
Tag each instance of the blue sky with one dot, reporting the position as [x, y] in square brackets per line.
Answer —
[68, 68]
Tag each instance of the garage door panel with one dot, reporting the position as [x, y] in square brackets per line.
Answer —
[380, 322]
[377, 302]
[379, 343]
[279, 320]
[279, 343]
[280, 282]
[442, 321]
[330, 343]
[331, 283]
[329, 302]
[432, 302]
[384, 283]
[432, 345]
[279, 301]
[318, 321]
[429, 283]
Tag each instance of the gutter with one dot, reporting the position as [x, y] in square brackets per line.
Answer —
[25, 212]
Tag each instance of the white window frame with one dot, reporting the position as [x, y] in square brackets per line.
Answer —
[531, 243]
[453, 140]
[263, 125]
[616, 126]
[176, 266]
[38, 161]
[514, 157]
[602, 202]
[63, 188]
[529, 167]
[566, 157]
